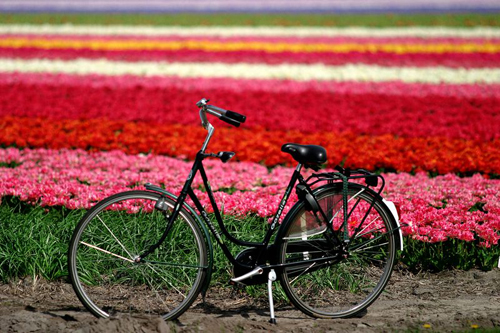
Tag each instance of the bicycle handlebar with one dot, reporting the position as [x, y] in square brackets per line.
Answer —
[236, 116]
[228, 116]
[230, 121]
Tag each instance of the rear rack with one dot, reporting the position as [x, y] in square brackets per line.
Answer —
[344, 175]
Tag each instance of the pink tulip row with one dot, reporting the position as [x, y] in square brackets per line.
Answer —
[471, 118]
[432, 209]
[240, 85]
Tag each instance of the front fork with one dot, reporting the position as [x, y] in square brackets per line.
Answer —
[162, 206]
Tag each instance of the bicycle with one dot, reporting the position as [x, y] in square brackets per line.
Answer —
[333, 253]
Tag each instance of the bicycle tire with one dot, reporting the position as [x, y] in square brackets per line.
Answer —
[108, 238]
[349, 286]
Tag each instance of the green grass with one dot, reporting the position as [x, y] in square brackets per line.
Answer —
[450, 254]
[340, 20]
[34, 242]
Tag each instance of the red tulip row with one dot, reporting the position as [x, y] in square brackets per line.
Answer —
[308, 110]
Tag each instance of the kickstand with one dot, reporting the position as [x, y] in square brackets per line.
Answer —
[271, 279]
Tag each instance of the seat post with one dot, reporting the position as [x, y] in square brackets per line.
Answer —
[299, 167]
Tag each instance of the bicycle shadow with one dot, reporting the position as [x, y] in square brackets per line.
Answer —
[248, 311]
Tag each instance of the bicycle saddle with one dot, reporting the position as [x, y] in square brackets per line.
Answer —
[305, 154]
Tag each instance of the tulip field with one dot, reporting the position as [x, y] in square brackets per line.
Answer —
[91, 106]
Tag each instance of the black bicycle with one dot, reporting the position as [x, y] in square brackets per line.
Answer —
[150, 252]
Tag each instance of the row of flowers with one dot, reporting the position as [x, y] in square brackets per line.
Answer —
[391, 88]
[362, 113]
[434, 209]
[433, 154]
[273, 46]
[455, 60]
[298, 72]
[235, 38]
[423, 32]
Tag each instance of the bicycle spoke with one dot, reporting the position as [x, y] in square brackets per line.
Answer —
[361, 235]
[163, 278]
[370, 247]
[105, 251]
[113, 235]
[370, 241]
[173, 265]
[305, 271]
[124, 224]
[369, 257]
[155, 290]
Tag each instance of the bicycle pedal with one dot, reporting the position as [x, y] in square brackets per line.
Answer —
[236, 284]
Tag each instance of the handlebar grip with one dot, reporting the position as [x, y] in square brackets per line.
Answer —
[230, 121]
[236, 116]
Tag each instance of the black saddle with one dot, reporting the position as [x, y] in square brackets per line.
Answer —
[309, 155]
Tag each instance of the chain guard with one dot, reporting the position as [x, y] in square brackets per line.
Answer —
[247, 257]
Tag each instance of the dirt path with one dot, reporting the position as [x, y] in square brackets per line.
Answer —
[446, 301]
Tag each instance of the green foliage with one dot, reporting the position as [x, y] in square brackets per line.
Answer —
[12, 164]
[240, 19]
[478, 206]
[34, 240]
[453, 253]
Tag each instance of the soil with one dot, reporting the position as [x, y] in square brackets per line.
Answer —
[445, 301]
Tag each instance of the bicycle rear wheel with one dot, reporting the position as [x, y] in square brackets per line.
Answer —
[349, 284]
[112, 234]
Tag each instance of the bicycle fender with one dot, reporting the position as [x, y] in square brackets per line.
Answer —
[394, 211]
[172, 196]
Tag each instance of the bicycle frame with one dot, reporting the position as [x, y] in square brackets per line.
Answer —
[188, 191]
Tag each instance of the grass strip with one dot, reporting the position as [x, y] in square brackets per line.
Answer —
[185, 19]
[34, 242]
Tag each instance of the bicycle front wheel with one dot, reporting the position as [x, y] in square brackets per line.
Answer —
[348, 284]
[112, 234]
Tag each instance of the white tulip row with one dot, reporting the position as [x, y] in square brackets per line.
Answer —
[424, 32]
[297, 72]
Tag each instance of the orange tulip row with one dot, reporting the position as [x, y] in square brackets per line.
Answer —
[433, 154]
